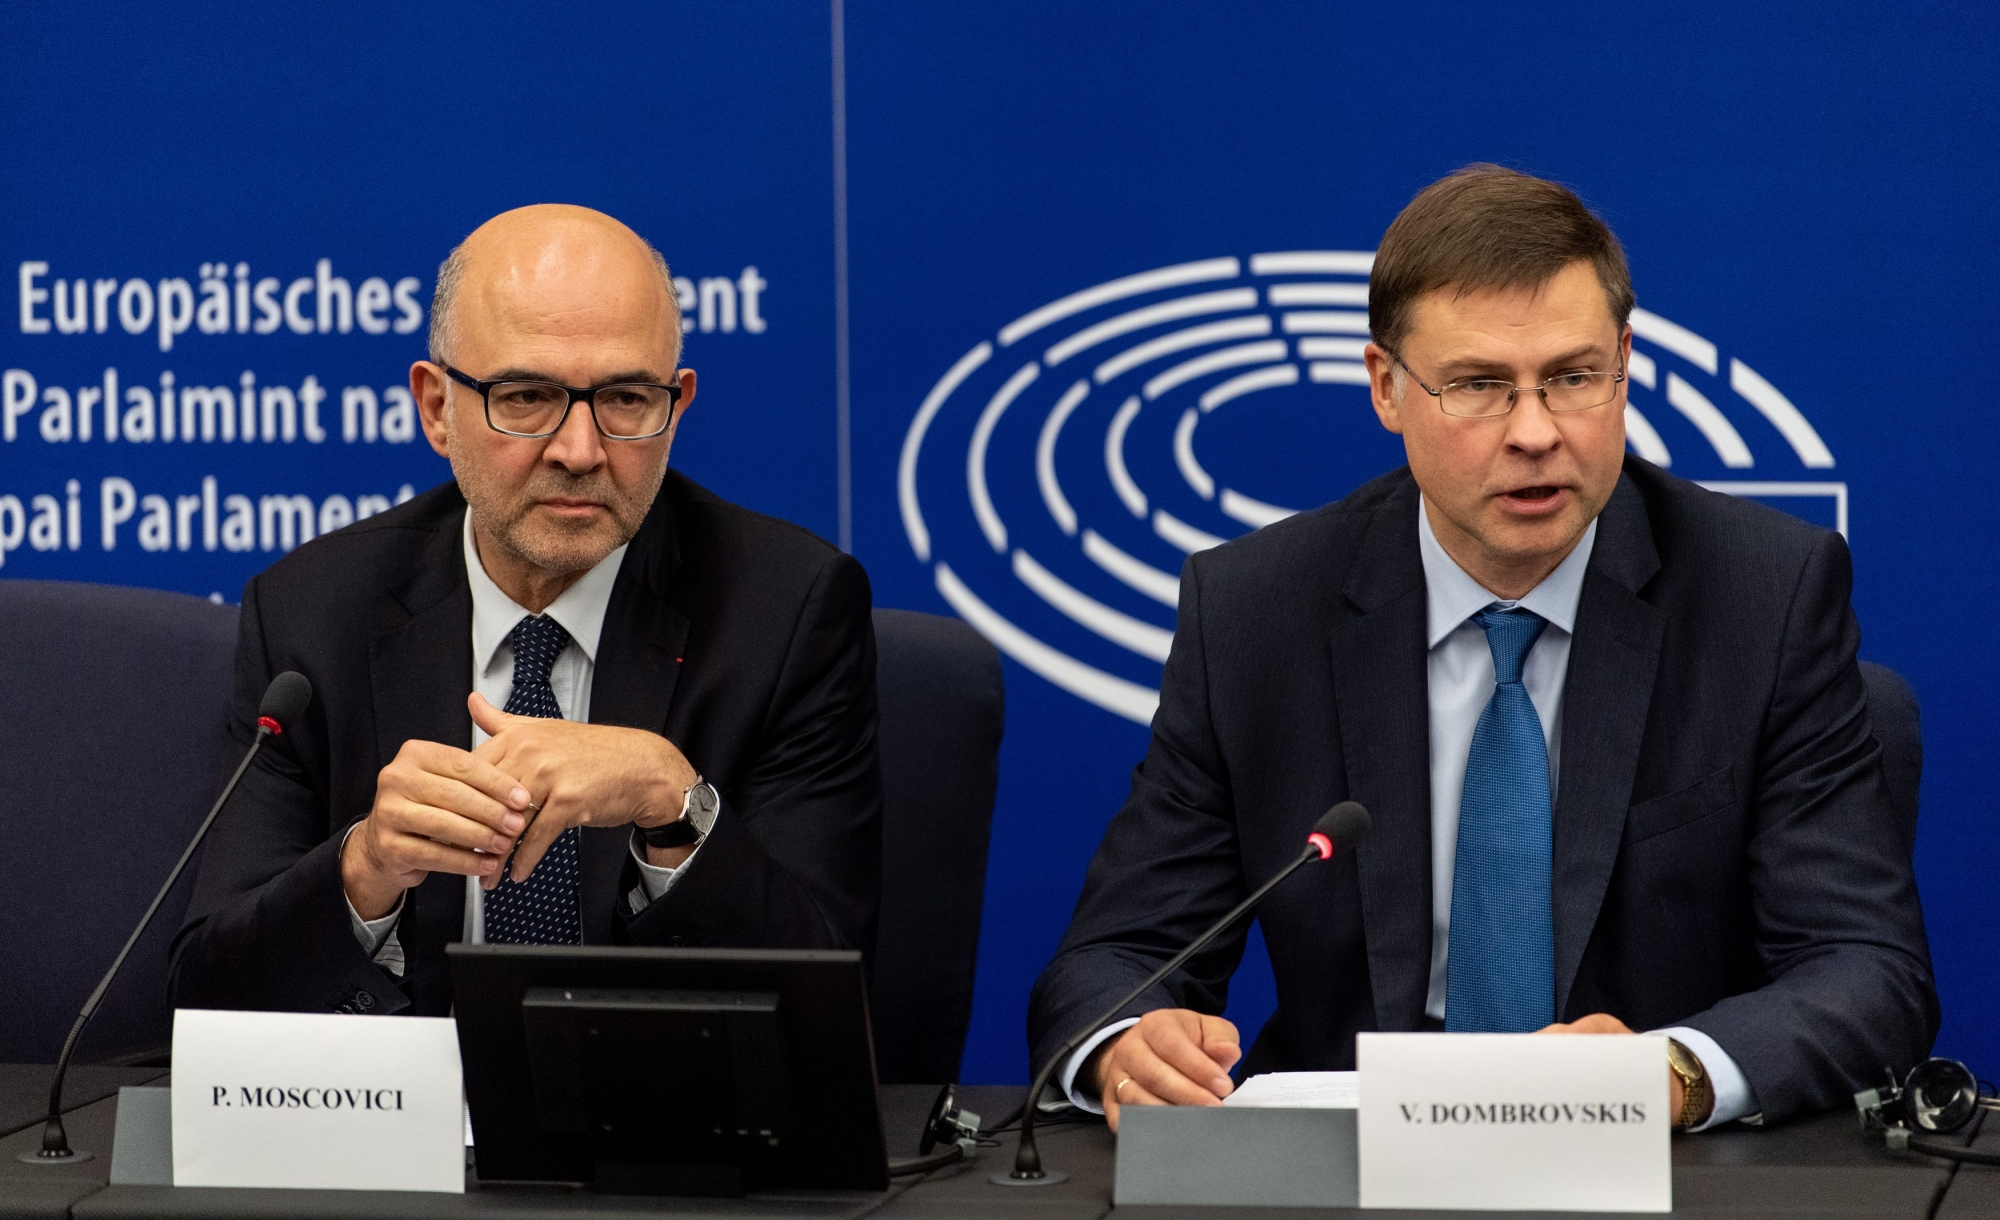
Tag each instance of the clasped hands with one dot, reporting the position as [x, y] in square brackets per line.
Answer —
[440, 809]
[1176, 1057]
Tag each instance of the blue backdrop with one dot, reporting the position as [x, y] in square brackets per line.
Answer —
[1019, 301]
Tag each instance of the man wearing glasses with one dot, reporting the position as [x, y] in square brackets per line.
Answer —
[1609, 724]
[569, 697]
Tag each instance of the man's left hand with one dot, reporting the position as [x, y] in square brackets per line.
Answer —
[1605, 1023]
[584, 775]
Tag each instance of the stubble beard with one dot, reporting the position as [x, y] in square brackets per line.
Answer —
[556, 548]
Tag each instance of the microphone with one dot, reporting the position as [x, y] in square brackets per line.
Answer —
[1337, 830]
[284, 699]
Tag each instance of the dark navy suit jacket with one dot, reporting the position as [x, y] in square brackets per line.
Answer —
[744, 640]
[1725, 852]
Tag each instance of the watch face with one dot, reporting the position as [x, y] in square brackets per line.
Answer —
[1683, 1060]
[703, 802]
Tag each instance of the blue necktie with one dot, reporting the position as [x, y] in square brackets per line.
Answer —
[543, 909]
[1500, 971]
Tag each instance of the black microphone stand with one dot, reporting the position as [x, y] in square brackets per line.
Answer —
[1028, 1169]
[55, 1149]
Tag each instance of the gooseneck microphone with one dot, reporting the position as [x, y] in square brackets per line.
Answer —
[1337, 830]
[283, 700]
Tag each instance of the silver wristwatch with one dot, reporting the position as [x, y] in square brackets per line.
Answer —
[698, 810]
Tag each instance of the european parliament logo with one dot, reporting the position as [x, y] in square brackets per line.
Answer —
[1058, 474]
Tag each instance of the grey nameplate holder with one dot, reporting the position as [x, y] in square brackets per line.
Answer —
[142, 1144]
[1237, 1156]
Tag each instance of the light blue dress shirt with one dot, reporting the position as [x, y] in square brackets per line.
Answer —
[1460, 672]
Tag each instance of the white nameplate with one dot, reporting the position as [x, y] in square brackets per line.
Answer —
[326, 1102]
[1515, 1122]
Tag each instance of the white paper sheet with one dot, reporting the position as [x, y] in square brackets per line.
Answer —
[1299, 1091]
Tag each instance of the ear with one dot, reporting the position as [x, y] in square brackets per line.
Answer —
[1382, 387]
[429, 385]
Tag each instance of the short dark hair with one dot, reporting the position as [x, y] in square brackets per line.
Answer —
[1488, 227]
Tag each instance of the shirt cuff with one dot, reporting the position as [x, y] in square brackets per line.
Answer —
[654, 881]
[1733, 1099]
[1082, 1100]
[375, 935]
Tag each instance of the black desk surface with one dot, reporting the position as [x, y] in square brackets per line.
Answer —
[1975, 1189]
[24, 1089]
[1822, 1166]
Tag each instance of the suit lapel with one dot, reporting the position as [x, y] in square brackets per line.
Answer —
[1382, 687]
[1613, 660]
[420, 672]
[632, 685]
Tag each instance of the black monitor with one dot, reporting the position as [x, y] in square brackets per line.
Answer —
[669, 1071]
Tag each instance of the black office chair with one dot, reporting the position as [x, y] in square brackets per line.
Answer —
[113, 711]
[943, 704]
[1892, 705]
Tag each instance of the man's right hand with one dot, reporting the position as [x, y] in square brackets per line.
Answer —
[1172, 1057]
[437, 810]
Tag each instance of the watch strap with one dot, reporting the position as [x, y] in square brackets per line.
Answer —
[678, 833]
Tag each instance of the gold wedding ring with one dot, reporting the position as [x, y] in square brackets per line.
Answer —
[1117, 1093]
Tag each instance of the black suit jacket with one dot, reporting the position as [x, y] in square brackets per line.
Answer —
[1725, 856]
[744, 640]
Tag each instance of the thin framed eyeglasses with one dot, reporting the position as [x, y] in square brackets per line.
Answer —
[1485, 397]
[532, 410]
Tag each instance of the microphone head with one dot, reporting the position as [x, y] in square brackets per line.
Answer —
[284, 699]
[1340, 828]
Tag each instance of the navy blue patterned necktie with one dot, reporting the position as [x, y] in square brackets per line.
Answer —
[1500, 963]
[543, 909]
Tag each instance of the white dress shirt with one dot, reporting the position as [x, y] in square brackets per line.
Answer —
[1460, 673]
[580, 611]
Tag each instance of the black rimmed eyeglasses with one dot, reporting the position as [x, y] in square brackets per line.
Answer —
[1481, 397]
[532, 410]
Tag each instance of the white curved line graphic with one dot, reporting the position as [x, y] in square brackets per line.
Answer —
[1114, 458]
[1250, 383]
[1227, 358]
[1045, 458]
[1162, 587]
[1151, 315]
[1645, 439]
[975, 454]
[1643, 370]
[1837, 492]
[1785, 417]
[1339, 372]
[1320, 347]
[913, 443]
[1195, 337]
[1191, 470]
[1714, 425]
[1180, 341]
[1254, 513]
[1112, 290]
[1326, 322]
[1318, 294]
[1179, 533]
[1113, 694]
[1677, 339]
[1306, 262]
[1120, 628]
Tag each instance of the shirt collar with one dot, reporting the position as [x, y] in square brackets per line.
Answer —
[1454, 596]
[580, 608]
